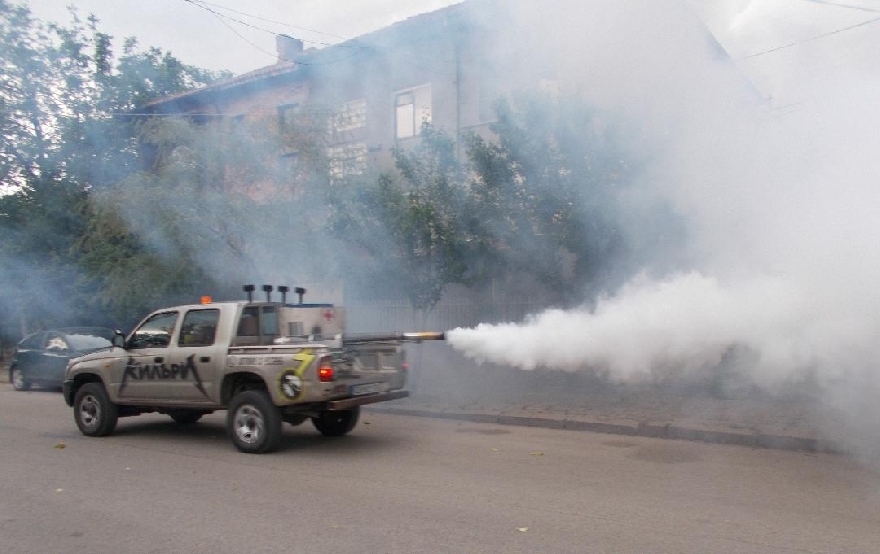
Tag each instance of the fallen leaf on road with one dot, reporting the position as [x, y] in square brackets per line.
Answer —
[60, 445]
[537, 453]
[522, 529]
[59, 490]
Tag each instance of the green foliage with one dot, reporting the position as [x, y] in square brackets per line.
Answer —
[537, 203]
[546, 190]
[64, 134]
[416, 229]
[218, 204]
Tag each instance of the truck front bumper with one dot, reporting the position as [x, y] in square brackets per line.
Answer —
[67, 391]
[349, 403]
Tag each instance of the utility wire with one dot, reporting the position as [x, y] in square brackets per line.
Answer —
[817, 37]
[282, 23]
[351, 43]
[228, 26]
[223, 18]
[839, 5]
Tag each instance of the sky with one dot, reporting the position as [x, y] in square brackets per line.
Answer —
[239, 36]
[235, 35]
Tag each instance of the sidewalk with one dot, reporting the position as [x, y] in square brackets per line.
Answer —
[712, 411]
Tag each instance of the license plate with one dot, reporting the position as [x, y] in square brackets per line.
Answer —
[368, 388]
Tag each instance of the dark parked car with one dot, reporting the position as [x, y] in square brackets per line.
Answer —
[41, 358]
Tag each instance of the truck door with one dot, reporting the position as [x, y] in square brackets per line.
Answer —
[145, 372]
[195, 356]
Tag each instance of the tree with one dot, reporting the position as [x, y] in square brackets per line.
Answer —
[64, 132]
[415, 229]
[221, 204]
[535, 206]
[546, 189]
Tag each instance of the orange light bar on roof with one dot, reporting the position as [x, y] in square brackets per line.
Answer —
[206, 300]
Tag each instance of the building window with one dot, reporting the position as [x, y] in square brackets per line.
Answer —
[287, 165]
[286, 113]
[347, 159]
[352, 115]
[412, 109]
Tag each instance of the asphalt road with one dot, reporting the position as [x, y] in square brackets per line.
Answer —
[400, 484]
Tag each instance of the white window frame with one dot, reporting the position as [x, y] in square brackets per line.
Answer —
[412, 108]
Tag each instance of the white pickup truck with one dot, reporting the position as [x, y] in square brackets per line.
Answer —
[264, 362]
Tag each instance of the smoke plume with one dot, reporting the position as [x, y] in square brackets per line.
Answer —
[781, 211]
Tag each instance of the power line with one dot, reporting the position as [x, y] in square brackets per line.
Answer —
[222, 17]
[839, 5]
[811, 39]
[282, 23]
[207, 6]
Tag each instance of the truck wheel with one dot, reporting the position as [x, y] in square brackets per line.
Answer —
[254, 423]
[186, 417]
[95, 415]
[336, 423]
[16, 377]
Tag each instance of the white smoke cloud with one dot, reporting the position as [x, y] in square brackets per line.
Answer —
[783, 213]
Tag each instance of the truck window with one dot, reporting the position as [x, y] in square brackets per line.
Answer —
[248, 326]
[199, 328]
[155, 332]
[270, 321]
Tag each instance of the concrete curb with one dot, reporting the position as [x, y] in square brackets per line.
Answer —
[754, 439]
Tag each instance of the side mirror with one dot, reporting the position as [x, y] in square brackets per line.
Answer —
[118, 339]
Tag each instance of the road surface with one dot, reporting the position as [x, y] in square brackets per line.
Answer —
[404, 485]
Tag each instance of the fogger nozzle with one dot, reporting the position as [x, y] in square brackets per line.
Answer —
[383, 337]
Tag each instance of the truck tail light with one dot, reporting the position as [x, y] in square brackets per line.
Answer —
[325, 371]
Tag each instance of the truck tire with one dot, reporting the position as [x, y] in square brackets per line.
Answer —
[336, 423]
[16, 377]
[94, 413]
[254, 423]
[186, 417]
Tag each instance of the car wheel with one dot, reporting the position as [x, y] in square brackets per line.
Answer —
[16, 377]
[186, 417]
[336, 423]
[254, 423]
[95, 414]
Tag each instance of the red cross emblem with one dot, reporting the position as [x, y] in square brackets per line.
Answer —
[329, 315]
